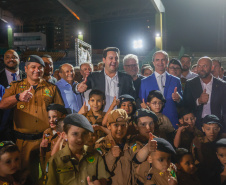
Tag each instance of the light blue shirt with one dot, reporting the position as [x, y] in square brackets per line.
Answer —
[72, 101]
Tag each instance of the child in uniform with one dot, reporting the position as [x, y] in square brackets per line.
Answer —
[162, 172]
[155, 103]
[55, 112]
[186, 170]
[76, 163]
[145, 121]
[187, 130]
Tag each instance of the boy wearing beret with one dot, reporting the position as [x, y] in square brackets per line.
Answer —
[145, 123]
[203, 148]
[162, 171]
[50, 136]
[76, 163]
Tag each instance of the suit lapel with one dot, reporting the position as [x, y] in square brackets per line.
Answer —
[213, 92]
[102, 81]
[154, 82]
[120, 80]
[4, 80]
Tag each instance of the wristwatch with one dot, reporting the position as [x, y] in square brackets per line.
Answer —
[18, 97]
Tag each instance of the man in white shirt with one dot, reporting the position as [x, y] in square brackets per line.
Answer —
[186, 64]
[205, 94]
[110, 81]
[11, 71]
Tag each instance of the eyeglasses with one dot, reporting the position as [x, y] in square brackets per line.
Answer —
[157, 103]
[131, 66]
[174, 68]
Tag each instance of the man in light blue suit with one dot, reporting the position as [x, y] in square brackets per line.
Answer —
[169, 85]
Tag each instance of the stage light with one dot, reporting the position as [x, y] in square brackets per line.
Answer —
[137, 44]
[157, 35]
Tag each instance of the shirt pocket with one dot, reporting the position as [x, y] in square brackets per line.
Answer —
[22, 106]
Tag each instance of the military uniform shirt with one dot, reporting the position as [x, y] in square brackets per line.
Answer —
[31, 117]
[65, 170]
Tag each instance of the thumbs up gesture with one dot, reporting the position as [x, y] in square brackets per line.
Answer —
[152, 143]
[115, 150]
[175, 95]
[84, 109]
[203, 99]
[82, 86]
[143, 104]
[26, 95]
[96, 182]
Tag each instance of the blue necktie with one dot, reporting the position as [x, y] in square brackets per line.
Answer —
[14, 76]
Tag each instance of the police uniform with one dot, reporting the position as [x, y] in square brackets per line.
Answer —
[30, 118]
[121, 167]
[64, 169]
[155, 176]
[96, 121]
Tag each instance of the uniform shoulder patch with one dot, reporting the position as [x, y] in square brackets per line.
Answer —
[134, 147]
[90, 159]
[99, 150]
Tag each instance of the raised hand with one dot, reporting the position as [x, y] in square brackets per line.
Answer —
[82, 86]
[152, 143]
[26, 95]
[115, 102]
[115, 150]
[84, 109]
[44, 142]
[143, 104]
[175, 95]
[203, 99]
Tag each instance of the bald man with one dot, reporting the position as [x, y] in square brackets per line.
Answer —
[11, 71]
[72, 101]
[205, 94]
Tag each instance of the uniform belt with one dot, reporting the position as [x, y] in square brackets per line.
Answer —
[23, 136]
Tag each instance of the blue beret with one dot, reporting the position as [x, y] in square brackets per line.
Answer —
[37, 59]
[144, 112]
[126, 97]
[164, 146]
[221, 143]
[78, 120]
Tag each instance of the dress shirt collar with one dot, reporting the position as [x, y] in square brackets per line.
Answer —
[157, 74]
[64, 82]
[116, 74]
[210, 83]
[9, 72]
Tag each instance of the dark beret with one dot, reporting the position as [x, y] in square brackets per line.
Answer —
[176, 62]
[144, 112]
[164, 146]
[78, 120]
[221, 143]
[5, 143]
[36, 58]
[126, 97]
[210, 119]
[57, 107]
[46, 56]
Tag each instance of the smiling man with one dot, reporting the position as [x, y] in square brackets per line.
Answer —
[29, 98]
[11, 71]
[110, 81]
[169, 85]
[72, 101]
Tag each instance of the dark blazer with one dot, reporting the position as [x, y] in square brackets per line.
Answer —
[193, 90]
[170, 109]
[96, 80]
[224, 78]
[3, 77]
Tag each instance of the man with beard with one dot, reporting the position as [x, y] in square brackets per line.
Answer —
[186, 64]
[205, 94]
[48, 70]
[11, 71]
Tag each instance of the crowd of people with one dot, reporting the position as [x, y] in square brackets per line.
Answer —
[96, 125]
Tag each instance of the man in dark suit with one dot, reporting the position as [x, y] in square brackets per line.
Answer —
[205, 94]
[109, 80]
[169, 85]
[10, 73]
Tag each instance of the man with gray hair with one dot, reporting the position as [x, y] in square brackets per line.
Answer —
[131, 67]
[169, 85]
[205, 94]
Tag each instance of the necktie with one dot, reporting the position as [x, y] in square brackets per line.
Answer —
[14, 76]
[161, 88]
